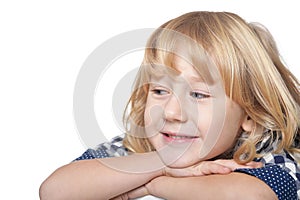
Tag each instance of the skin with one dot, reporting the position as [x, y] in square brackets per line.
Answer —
[187, 174]
[188, 109]
[231, 186]
[96, 179]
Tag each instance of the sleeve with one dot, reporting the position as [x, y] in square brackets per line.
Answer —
[114, 148]
[279, 180]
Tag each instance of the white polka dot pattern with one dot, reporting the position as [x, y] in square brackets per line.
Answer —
[278, 179]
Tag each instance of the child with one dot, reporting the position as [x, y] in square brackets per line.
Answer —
[211, 97]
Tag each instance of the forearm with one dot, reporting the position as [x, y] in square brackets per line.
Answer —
[101, 178]
[231, 186]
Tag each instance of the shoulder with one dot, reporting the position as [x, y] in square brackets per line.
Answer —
[285, 161]
[280, 172]
[113, 148]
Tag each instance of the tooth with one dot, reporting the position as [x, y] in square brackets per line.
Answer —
[179, 137]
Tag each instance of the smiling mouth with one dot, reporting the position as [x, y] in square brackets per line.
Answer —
[178, 137]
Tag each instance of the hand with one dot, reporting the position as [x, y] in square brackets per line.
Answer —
[220, 166]
[133, 194]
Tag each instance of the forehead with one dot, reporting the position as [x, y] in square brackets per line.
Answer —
[177, 67]
[186, 69]
[176, 50]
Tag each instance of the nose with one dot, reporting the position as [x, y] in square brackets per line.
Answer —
[174, 110]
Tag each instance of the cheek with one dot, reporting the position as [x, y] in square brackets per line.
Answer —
[152, 114]
[147, 117]
[230, 131]
[218, 129]
[233, 122]
[203, 119]
[232, 126]
[153, 118]
[148, 114]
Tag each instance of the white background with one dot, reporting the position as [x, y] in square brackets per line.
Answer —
[42, 47]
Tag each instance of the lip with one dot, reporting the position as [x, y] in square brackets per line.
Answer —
[178, 137]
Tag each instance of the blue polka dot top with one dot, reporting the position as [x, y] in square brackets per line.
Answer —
[280, 172]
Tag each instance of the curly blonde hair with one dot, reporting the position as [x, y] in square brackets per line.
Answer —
[252, 73]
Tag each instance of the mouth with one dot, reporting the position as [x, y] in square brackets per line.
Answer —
[175, 137]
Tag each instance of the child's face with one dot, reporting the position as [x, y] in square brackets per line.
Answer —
[188, 120]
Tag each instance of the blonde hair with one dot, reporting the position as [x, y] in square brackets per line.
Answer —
[252, 72]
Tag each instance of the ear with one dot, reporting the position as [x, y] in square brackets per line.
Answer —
[248, 124]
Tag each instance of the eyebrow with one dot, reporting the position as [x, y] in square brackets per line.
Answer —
[197, 79]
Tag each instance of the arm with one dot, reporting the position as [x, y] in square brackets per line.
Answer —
[202, 168]
[231, 186]
[101, 178]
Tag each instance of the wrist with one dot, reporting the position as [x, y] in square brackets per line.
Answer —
[137, 163]
[157, 166]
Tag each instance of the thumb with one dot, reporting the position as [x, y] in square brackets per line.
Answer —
[138, 192]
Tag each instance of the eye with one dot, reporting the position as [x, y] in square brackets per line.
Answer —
[159, 91]
[199, 95]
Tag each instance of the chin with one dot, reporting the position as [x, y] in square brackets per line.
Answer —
[186, 160]
[180, 161]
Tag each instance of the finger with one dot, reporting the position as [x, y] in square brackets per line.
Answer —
[138, 192]
[228, 163]
[233, 165]
[121, 197]
[254, 164]
[208, 167]
[204, 168]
